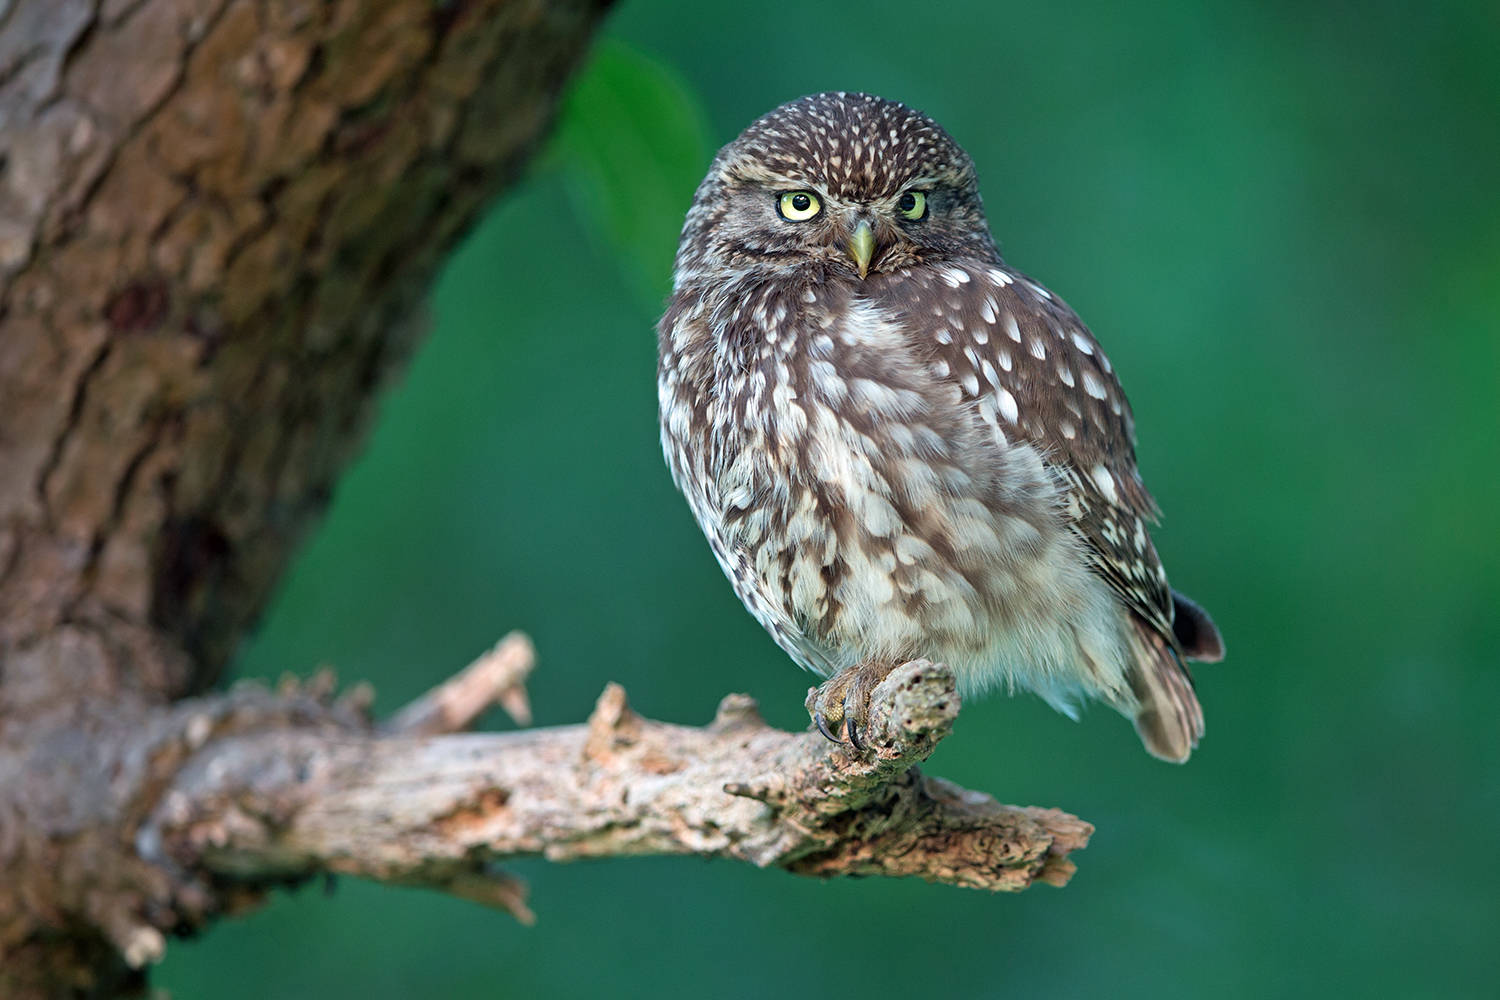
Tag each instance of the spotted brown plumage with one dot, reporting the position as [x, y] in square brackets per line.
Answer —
[898, 445]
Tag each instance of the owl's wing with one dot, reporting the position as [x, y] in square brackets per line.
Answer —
[1035, 370]
[1036, 374]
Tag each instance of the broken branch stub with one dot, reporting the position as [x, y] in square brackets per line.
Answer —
[497, 677]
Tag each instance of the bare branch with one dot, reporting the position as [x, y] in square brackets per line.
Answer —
[440, 811]
[497, 677]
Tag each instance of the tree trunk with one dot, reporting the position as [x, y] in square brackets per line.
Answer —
[218, 220]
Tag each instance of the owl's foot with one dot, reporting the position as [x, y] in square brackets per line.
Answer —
[840, 706]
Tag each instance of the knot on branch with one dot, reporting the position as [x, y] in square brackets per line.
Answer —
[736, 711]
[612, 726]
[913, 709]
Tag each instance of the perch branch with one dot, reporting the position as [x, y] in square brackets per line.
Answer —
[442, 810]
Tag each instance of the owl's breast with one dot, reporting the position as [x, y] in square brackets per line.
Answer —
[853, 491]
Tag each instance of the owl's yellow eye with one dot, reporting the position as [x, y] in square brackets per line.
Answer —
[799, 206]
[913, 205]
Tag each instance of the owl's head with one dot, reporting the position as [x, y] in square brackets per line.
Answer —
[847, 183]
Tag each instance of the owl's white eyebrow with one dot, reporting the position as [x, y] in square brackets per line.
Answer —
[755, 174]
[786, 182]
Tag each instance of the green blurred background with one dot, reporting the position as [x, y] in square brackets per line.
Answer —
[1283, 221]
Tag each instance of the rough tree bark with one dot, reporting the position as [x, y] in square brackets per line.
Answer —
[217, 222]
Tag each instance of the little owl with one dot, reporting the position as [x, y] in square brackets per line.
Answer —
[898, 445]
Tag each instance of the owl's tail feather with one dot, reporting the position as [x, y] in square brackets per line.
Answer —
[1196, 632]
[1168, 716]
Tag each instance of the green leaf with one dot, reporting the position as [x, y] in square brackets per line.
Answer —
[633, 146]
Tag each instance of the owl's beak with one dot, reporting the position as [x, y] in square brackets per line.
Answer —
[861, 246]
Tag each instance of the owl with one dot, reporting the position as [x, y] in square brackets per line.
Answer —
[900, 446]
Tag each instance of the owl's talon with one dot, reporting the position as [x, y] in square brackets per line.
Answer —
[845, 698]
[854, 712]
[822, 725]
